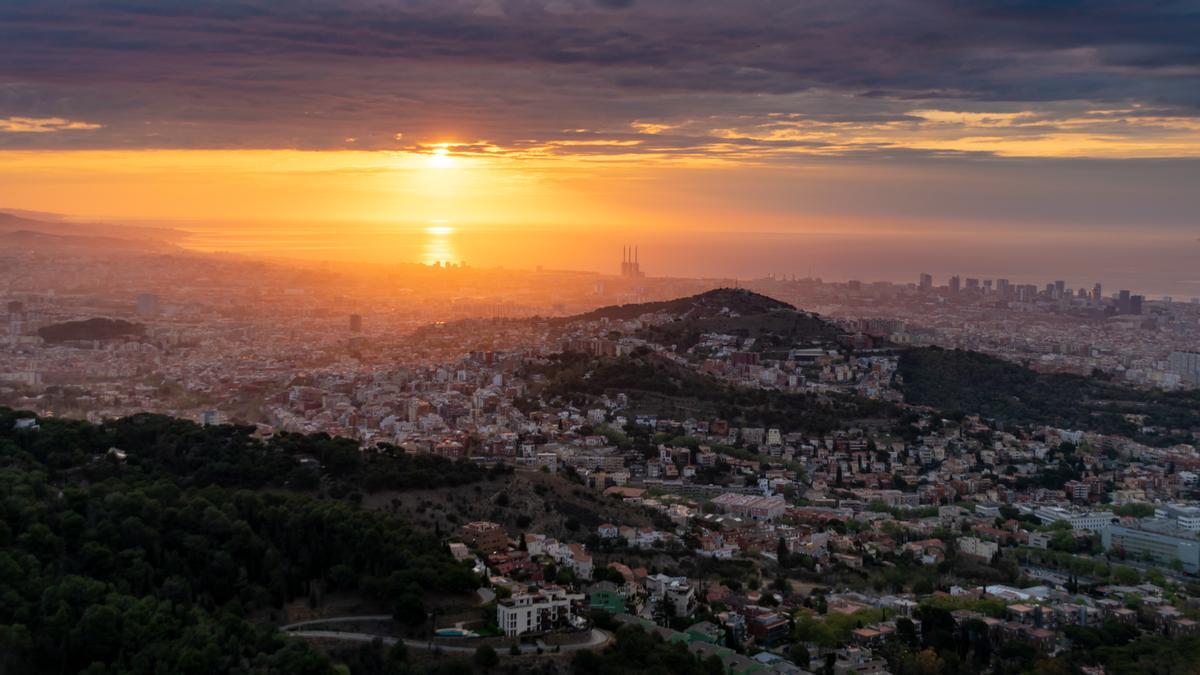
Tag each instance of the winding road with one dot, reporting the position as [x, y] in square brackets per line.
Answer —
[597, 640]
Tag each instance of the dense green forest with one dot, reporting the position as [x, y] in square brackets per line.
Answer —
[776, 330]
[90, 329]
[974, 383]
[153, 564]
[233, 456]
[636, 651]
[656, 385]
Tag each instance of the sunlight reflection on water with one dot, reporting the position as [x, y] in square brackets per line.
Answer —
[438, 246]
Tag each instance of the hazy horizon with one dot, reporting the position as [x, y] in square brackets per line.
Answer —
[733, 254]
[1066, 135]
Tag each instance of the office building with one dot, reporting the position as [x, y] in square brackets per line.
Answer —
[1165, 548]
[355, 323]
[926, 283]
[147, 304]
[1186, 365]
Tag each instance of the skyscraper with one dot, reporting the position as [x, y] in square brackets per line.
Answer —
[926, 282]
[147, 304]
[1186, 365]
[954, 285]
[355, 323]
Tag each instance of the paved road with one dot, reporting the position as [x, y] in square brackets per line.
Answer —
[337, 619]
[598, 638]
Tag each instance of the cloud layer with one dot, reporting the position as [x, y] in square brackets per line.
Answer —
[753, 80]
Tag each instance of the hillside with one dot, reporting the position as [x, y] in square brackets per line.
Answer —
[67, 231]
[975, 383]
[658, 386]
[522, 501]
[90, 329]
[714, 303]
[773, 325]
[775, 330]
[161, 557]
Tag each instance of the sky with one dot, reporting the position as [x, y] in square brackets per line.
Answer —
[921, 119]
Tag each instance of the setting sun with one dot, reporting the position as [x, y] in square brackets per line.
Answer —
[440, 158]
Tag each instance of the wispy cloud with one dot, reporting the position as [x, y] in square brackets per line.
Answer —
[43, 125]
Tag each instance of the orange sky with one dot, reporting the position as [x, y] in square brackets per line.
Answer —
[905, 118]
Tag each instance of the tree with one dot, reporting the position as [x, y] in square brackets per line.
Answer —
[906, 631]
[798, 654]
[397, 658]
[486, 658]
[927, 662]
[1126, 575]
[409, 609]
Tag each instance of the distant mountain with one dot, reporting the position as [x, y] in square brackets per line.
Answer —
[33, 241]
[25, 233]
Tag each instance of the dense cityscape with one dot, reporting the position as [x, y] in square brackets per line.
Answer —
[775, 489]
[599, 337]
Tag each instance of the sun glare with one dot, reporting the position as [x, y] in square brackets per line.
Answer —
[440, 158]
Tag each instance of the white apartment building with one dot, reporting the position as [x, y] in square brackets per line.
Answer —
[978, 547]
[545, 610]
[1094, 521]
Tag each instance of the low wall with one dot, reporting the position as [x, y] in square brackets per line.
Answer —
[496, 642]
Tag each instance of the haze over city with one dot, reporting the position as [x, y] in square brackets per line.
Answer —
[978, 132]
[591, 337]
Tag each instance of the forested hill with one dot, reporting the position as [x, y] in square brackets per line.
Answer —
[771, 324]
[90, 329]
[975, 383]
[658, 386]
[152, 563]
[717, 302]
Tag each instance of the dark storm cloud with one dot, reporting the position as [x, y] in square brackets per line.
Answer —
[274, 73]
